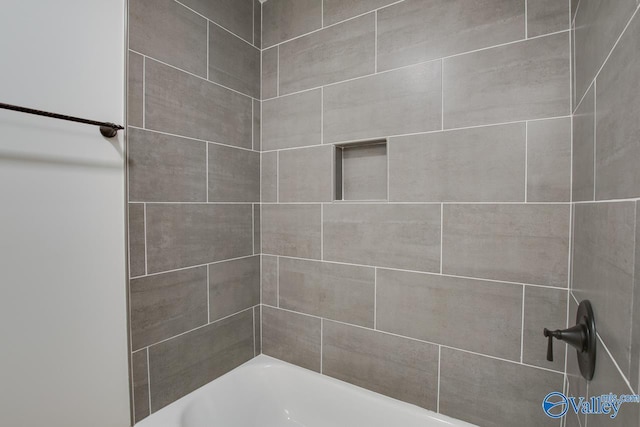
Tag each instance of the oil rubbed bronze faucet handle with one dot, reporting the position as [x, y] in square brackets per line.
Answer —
[582, 337]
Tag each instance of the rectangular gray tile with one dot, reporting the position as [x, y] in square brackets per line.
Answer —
[292, 337]
[234, 15]
[285, 19]
[415, 31]
[547, 16]
[233, 62]
[397, 367]
[333, 291]
[257, 235]
[598, 25]
[135, 90]
[607, 379]
[396, 236]
[234, 174]
[519, 81]
[421, 306]
[269, 279]
[165, 305]
[270, 73]
[338, 10]
[583, 151]
[184, 235]
[137, 250]
[403, 101]
[185, 363]
[364, 172]
[257, 118]
[257, 23]
[337, 53]
[518, 243]
[269, 179]
[603, 265]
[635, 321]
[491, 392]
[472, 165]
[257, 322]
[292, 121]
[165, 168]
[182, 104]
[305, 174]
[169, 32]
[233, 286]
[549, 160]
[544, 308]
[291, 230]
[618, 109]
[140, 385]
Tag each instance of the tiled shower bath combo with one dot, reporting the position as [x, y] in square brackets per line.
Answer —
[399, 195]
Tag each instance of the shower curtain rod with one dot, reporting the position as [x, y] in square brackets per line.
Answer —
[108, 130]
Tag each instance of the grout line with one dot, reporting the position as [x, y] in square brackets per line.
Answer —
[595, 134]
[208, 49]
[321, 342]
[526, 159]
[191, 138]
[277, 176]
[253, 228]
[322, 117]
[375, 298]
[385, 202]
[416, 339]
[278, 71]
[441, 237]
[375, 45]
[149, 380]
[253, 312]
[278, 281]
[253, 43]
[322, 231]
[526, 19]
[192, 267]
[207, 170]
[196, 203]
[624, 377]
[417, 64]
[321, 13]
[146, 262]
[144, 92]
[522, 329]
[633, 280]
[208, 298]
[442, 94]
[439, 369]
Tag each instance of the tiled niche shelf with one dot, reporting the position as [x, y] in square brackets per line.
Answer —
[361, 171]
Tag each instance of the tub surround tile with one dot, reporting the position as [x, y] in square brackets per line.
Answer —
[544, 307]
[286, 19]
[140, 385]
[257, 233]
[270, 73]
[577, 384]
[257, 125]
[137, 250]
[169, 32]
[635, 321]
[305, 175]
[519, 81]
[165, 168]
[233, 62]
[547, 16]
[185, 363]
[181, 104]
[517, 243]
[292, 230]
[618, 109]
[257, 322]
[598, 25]
[292, 337]
[492, 392]
[397, 367]
[395, 236]
[364, 172]
[333, 291]
[603, 265]
[269, 180]
[269, 280]
[257, 23]
[182, 235]
[334, 54]
[339, 10]
[451, 311]
[583, 152]
[233, 286]
[549, 160]
[234, 15]
[472, 165]
[402, 101]
[135, 90]
[415, 31]
[292, 121]
[166, 305]
[234, 174]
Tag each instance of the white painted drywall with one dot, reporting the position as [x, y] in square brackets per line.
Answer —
[63, 348]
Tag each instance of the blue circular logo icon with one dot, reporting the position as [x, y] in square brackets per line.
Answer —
[555, 405]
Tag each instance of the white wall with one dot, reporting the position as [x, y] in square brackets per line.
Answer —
[63, 354]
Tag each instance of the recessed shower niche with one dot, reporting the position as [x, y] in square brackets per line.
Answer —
[361, 171]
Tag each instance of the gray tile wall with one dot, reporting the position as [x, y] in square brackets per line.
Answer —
[194, 109]
[606, 149]
[463, 257]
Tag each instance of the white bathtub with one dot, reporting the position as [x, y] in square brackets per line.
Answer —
[266, 392]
